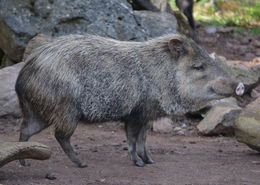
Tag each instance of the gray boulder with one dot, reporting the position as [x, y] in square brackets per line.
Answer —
[220, 119]
[9, 104]
[247, 127]
[22, 20]
[146, 20]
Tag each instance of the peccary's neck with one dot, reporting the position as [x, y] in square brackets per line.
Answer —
[159, 69]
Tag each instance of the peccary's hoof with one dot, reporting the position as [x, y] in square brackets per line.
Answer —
[139, 163]
[149, 161]
[82, 165]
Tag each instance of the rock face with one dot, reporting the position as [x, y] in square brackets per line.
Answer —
[11, 151]
[221, 118]
[247, 128]
[21, 20]
[9, 104]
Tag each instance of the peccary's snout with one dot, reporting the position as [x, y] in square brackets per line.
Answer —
[225, 87]
[240, 89]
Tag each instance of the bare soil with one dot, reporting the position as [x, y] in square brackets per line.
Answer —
[230, 44]
[180, 160]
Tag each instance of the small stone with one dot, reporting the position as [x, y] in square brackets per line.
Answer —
[183, 125]
[50, 176]
[211, 30]
[254, 94]
[249, 56]
[181, 132]
[177, 128]
[257, 52]
[225, 29]
[256, 162]
[163, 125]
[256, 43]
[245, 41]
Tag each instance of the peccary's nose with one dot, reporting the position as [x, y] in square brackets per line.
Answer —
[240, 89]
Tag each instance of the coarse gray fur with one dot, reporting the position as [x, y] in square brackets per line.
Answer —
[94, 79]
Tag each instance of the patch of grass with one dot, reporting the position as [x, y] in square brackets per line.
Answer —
[243, 13]
[255, 30]
[235, 13]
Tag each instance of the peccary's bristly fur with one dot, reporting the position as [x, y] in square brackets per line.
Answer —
[94, 79]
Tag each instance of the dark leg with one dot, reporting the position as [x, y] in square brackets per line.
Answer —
[30, 127]
[63, 137]
[132, 131]
[141, 149]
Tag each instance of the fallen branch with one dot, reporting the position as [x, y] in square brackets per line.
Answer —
[10, 151]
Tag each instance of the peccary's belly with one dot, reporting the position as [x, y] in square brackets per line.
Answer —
[109, 104]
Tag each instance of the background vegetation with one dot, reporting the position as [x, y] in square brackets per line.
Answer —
[243, 14]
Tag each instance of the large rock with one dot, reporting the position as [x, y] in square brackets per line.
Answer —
[9, 104]
[11, 151]
[146, 20]
[220, 119]
[247, 128]
[21, 20]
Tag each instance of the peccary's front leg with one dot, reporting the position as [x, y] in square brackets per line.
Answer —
[132, 132]
[141, 148]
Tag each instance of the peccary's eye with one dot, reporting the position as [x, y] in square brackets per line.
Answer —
[198, 67]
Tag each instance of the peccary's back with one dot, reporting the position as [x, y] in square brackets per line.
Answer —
[98, 79]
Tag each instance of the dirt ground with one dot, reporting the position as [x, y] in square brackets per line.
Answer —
[180, 160]
[229, 43]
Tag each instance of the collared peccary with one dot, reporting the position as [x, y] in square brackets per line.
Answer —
[94, 79]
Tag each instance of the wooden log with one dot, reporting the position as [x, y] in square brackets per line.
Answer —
[10, 151]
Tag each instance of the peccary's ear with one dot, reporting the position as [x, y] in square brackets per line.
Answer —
[176, 47]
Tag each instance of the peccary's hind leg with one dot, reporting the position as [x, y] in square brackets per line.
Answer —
[63, 136]
[141, 149]
[29, 127]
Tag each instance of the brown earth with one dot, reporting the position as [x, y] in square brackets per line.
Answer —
[179, 160]
[230, 44]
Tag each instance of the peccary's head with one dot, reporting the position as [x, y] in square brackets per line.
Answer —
[199, 77]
